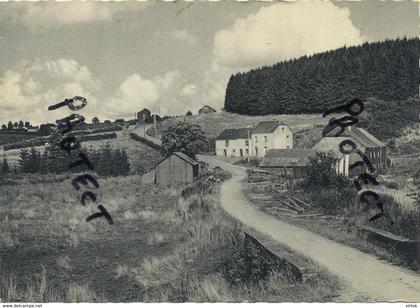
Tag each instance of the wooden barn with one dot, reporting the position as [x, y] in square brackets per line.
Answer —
[176, 170]
[288, 162]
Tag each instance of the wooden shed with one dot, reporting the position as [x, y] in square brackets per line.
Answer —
[176, 170]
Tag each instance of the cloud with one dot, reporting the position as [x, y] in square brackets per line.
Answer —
[183, 36]
[189, 90]
[50, 14]
[27, 90]
[137, 92]
[283, 31]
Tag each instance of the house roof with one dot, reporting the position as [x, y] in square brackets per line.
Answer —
[266, 127]
[287, 158]
[234, 133]
[207, 106]
[360, 136]
[144, 110]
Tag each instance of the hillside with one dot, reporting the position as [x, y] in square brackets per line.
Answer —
[386, 71]
[214, 123]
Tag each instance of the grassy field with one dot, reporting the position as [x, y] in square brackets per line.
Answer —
[138, 153]
[161, 247]
[214, 123]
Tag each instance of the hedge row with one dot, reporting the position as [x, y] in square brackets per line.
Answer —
[42, 140]
[95, 137]
[107, 129]
[26, 143]
[145, 141]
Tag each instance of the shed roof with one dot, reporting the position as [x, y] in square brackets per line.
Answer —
[287, 158]
[360, 136]
[234, 133]
[186, 158]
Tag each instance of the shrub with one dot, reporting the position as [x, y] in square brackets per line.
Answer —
[184, 137]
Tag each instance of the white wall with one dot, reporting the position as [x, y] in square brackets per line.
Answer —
[233, 149]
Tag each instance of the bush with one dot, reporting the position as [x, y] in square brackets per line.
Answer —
[399, 220]
[184, 137]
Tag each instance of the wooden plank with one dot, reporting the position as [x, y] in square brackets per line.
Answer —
[294, 204]
[283, 209]
[301, 202]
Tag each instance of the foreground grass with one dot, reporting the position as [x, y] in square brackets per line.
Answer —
[162, 247]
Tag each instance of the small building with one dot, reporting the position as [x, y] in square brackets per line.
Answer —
[144, 116]
[234, 142]
[269, 135]
[206, 109]
[176, 170]
[288, 162]
[374, 149]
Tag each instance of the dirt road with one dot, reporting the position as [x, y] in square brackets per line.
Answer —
[363, 275]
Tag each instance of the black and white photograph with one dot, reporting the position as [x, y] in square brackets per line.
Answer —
[209, 152]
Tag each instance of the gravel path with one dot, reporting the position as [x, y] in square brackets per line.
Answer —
[363, 275]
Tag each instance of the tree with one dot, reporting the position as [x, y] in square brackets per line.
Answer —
[5, 169]
[321, 171]
[21, 124]
[95, 120]
[27, 124]
[10, 125]
[3, 127]
[189, 113]
[184, 137]
[15, 125]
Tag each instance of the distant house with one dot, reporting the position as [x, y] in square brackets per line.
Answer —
[144, 116]
[176, 170]
[155, 118]
[256, 141]
[33, 129]
[206, 109]
[290, 162]
[374, 149]
[234, 142]
[46, 129]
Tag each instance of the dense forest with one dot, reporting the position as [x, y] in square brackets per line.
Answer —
[386, 71]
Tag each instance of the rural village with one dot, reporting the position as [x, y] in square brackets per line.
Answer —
[301, 186]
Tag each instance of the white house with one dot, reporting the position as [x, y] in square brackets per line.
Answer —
[244, 142]
[270, 135]
[233, 142]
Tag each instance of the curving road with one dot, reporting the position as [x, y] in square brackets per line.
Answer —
[363, 275]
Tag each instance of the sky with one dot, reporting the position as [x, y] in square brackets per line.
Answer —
[170, 57]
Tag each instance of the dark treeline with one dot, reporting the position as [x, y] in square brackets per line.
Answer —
[386, 71]
[106, 161]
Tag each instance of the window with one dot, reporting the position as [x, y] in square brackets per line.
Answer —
[287, 136]
[227, 143]
[247, 151]
[265, 150]
[246, 142]
[282, 129]
[256, 151]
[265, 138]
[288, 147]
[233, 151]
[256, 139]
